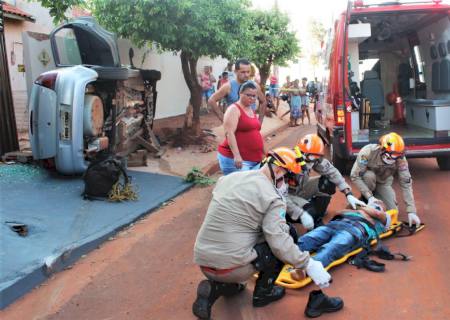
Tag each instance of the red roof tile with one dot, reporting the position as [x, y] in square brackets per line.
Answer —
[7, 8]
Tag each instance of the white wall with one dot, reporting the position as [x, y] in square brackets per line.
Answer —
[13, 39]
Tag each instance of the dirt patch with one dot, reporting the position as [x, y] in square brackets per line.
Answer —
[174, 135]
[181, 138]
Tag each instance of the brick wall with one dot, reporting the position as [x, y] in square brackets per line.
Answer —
[20, 108]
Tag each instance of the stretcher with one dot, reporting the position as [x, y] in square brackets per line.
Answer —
[285, 280]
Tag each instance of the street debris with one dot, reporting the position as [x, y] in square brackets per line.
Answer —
[207, 148]
[20, 172]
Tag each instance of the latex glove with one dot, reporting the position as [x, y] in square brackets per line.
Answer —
[307, 220]
[353, 201]
[317, 273]
[296, 213]
[371, 200]
[413, 219]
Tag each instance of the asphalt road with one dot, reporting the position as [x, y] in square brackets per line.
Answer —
[147, 271]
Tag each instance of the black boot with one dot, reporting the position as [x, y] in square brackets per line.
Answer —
[266, 291]
[208, 292]
[319, 303]
[231, 289]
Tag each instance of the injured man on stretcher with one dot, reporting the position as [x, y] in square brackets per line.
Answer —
[348, 230]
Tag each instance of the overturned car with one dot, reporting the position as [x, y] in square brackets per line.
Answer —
[90, 106]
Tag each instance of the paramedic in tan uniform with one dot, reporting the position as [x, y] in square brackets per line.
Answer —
[373, 174]
[309, 197]
[245, 231]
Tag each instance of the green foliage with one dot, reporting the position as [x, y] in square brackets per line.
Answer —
[196, 27]
[270, 38]
[314, 59]
[197, 177]
[59, 8]
[317, 30]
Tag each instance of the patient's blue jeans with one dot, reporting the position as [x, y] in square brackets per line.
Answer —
[330, 244]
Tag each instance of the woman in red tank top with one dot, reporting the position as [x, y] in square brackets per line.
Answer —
[243, 147]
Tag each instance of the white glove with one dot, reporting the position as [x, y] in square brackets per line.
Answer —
[296, 213]
[413, 219]
[353, 201]
[317, 273]
[371, 200]
[307, 220]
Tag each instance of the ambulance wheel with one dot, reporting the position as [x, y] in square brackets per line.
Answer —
[443, 162]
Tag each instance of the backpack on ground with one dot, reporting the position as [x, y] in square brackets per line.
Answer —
[102, 181]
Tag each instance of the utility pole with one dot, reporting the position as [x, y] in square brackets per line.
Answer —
[8, 129]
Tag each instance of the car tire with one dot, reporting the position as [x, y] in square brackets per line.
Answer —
[115, 73]
[443, 163]
[151, 75]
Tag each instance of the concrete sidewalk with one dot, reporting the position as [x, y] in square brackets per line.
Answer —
[192, 156]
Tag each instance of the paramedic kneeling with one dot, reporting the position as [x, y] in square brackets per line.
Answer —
[309, 197]
[349, 230]
[245, 231]
[373, 174]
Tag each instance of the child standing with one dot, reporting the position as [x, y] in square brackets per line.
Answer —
[305, 101]
[295, 104]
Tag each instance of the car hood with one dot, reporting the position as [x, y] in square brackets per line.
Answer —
[97, 46]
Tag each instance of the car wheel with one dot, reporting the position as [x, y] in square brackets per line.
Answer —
[443, 163]
[115, 73]
[151, 75]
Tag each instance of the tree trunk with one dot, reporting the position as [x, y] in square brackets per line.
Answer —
[264, 71]
[189, 67]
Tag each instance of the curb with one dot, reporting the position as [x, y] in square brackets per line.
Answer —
[213, 167]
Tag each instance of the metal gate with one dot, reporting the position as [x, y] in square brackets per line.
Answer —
[8, 130]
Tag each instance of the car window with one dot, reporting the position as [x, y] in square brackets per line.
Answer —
[67, 47]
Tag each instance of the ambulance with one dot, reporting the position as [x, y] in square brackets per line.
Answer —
[387, 68]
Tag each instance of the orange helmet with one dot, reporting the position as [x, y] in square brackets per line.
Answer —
[393, 144]
[285, 158]
[311, 144]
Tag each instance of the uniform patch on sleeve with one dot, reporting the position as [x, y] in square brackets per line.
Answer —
[283, 214]
[363, 161]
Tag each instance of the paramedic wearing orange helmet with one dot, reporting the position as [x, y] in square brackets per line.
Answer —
[374, 169]
[309, 197]
[245, 231]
